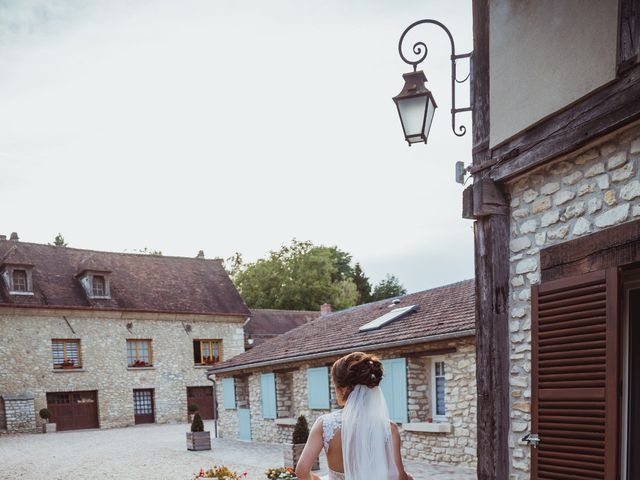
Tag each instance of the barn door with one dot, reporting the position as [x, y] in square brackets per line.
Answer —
[575, 377]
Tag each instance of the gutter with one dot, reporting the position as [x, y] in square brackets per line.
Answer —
[314, 356]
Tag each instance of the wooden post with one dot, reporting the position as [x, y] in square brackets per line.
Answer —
[486, 203]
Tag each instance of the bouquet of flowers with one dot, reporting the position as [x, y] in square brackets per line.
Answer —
[281, 474]
[219, 472]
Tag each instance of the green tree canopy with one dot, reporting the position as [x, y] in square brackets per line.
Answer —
[59, 241]
[300, 276]
[389, 287]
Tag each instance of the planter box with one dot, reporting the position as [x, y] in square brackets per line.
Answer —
[292, 452]
[49, 428]
[198, 441]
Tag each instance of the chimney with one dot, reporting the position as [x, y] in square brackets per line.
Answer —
[3, 237]
[325, 309]
[14, 236]
[200, 254]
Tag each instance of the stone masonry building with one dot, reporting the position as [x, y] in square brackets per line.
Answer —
[110, 339]
[428, 352]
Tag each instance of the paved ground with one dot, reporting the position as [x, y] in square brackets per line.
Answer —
[148, 452]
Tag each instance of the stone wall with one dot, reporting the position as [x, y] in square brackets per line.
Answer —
[455, 447]
[284, 394]
[578, 194]
[27, 336]
[20, 414]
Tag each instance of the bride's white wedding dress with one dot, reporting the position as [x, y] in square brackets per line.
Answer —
[367, 450]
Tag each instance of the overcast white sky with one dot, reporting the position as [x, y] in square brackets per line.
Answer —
[231, 126]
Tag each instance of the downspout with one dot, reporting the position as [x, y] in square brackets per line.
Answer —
[215, 404]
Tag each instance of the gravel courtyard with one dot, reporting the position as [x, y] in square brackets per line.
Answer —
[148, 452]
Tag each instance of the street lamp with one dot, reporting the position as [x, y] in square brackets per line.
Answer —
[415, 102]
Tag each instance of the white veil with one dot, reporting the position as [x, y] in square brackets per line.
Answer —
[367, 449]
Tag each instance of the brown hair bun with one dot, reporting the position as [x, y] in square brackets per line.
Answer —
[357, 368]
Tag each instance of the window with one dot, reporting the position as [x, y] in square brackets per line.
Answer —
[439, 409]
[207, 352]
[388, 317]
[139, 353]
[20, 281]
[98, 286]
[66, 353]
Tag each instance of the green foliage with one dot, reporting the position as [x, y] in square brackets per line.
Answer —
[300, 276]
[58, 241]
[301, 431]
[148, 251]
[362, 284]
[192, 408]
[387, 288]
[197, 425]
[45, 413]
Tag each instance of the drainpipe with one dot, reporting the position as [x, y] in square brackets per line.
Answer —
[215, 404]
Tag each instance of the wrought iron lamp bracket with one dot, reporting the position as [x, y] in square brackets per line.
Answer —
[420, 49]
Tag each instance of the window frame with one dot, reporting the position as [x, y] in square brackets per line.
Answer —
[65, 341]
[434, 390]
[210, 341]
[137, 342]
[103, 287]
[7, 274]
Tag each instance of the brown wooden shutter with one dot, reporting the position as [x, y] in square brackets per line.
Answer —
[575, 377]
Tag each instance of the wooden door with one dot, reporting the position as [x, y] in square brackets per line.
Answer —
[203, 398]
[143, 406]
[73, 410]
[575, 377]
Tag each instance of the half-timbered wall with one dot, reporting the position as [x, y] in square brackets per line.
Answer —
[545, 55]
[572, 197]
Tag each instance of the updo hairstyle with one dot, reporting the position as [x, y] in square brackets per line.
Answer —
[357, 368]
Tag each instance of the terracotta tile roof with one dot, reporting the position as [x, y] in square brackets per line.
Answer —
[266, 323]
[138, 282]
[449, 309]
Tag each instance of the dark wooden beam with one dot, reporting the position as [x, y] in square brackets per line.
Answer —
[431, 353]
[486, 202]
[611, 247]
[602, 112]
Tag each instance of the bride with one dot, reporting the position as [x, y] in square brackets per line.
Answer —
[360, 441]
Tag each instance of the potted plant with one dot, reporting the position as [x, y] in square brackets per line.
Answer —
[197, 438]
[191, 409]
[281, 474]
[220, 472]
[292, 451]
[45, 414]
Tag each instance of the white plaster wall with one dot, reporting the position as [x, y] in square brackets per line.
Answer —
[545, 55]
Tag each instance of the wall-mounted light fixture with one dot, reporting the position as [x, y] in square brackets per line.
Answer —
[415, 103]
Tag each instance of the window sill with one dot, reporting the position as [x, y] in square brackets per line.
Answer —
[286, 422]
[141, 368]
[67, 370]
[21, 293]
[426, 427]
[204, 366]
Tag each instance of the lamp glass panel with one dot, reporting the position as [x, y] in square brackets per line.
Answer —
[431, 109]
[412, 114]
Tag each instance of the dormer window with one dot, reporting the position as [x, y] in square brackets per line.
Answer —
[18, 279]
[96, 284]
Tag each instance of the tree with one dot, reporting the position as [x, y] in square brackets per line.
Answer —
[147, 251]
[362, 285]
[389, 287]
[58, 241]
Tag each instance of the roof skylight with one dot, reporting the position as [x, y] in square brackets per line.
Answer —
[388, 317]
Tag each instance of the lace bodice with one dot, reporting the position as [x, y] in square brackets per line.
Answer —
[331, 422]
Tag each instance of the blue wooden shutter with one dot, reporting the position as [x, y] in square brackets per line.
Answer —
[318, 388]
[229, 393]
[394, 388]
[268, 395]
